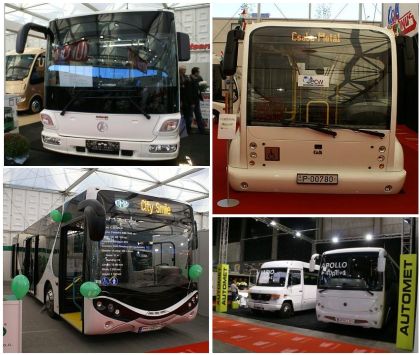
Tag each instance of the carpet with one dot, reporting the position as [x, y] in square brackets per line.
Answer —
[202, 347]
[255, 338]
[406, 202]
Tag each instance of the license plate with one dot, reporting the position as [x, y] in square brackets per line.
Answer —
[150, 328]
[258, 306]
[103, 146]
[345, 321]
[322, 179]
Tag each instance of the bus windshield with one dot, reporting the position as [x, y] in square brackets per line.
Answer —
[18, 66]
[320, 76]
[272, 277]
[350, 271]
[113, 63]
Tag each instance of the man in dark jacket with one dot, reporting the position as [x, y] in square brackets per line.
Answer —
[187, 99]
[197, 97]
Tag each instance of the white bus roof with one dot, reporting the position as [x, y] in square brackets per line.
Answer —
[287, 263]
[108, 12]
[355, 250]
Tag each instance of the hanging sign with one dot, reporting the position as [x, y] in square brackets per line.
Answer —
[407, 302]
[222, 287]
[401, 18]
[227, 126]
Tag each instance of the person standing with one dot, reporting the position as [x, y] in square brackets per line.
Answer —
[187, 99]
[196, 79]
[234, 290]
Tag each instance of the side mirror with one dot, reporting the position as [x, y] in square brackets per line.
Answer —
[94, 213]
[183, 41]
[381, 264]
[408, 55]
[194, 240]
[312, 262]
[22, 35]
[230, 58]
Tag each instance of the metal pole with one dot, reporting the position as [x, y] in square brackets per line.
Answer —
[259, 12]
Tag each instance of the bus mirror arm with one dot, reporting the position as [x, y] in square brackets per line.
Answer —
[312, 262]
[22, 35]
[94, 213]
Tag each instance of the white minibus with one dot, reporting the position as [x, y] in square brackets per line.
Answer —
[285, 286]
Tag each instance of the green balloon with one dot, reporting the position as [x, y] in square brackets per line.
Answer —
[67, 216]
[195, 271]
[90, 289]
[20, 286]
[56, 215]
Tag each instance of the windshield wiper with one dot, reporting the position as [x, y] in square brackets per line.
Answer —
[139, 108]
[361, 130]
[73, 99]
[322, 290]
[315, 127]
[367, 289]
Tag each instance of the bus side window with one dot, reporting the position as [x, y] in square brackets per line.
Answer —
[309, 278]
[37, 75]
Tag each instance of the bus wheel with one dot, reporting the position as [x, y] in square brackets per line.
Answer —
[49, 301]
[36, 105]
[286, 310]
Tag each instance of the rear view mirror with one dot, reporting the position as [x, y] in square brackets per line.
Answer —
[230, 58]
[22, 35]
[94, 213]
[183, 41]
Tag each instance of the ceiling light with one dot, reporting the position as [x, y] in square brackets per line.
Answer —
[273, 223]
[298, 234]
[335, 239]
[368, 236]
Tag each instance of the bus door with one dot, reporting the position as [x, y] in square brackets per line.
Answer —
[30, 264]
[295, 288]
[71, 273]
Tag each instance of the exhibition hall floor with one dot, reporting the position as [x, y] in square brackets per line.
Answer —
[236, 334]
[42, 334]
[195, 150]
[292, 203]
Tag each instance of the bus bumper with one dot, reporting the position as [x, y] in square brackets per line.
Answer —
[365, 320]
[349, 182]
[269, 307]
[129, 150]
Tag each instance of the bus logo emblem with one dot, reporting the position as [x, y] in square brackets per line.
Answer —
[102, 126]
[122, 203]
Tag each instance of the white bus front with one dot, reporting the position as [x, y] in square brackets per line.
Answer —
[356, 287]
[111, 87]
[318, 110]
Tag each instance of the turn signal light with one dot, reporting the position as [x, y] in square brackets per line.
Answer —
[169, 125]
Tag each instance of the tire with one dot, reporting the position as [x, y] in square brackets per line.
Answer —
[286, 310]
[36, 105]
[49, 300]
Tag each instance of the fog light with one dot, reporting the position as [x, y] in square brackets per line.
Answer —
[388, 188]
[51, 140]
[253, 145]
[381, 158]
[253, 155]
[163, 148]
[108, 324]
[252, 163]
[382, 149]
[381, 166]
[244, 185]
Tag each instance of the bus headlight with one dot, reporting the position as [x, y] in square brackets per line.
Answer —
[169, 125]
[111, 308]
[47, 120]
[117, 312]
[275, 297]
[100, 306]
